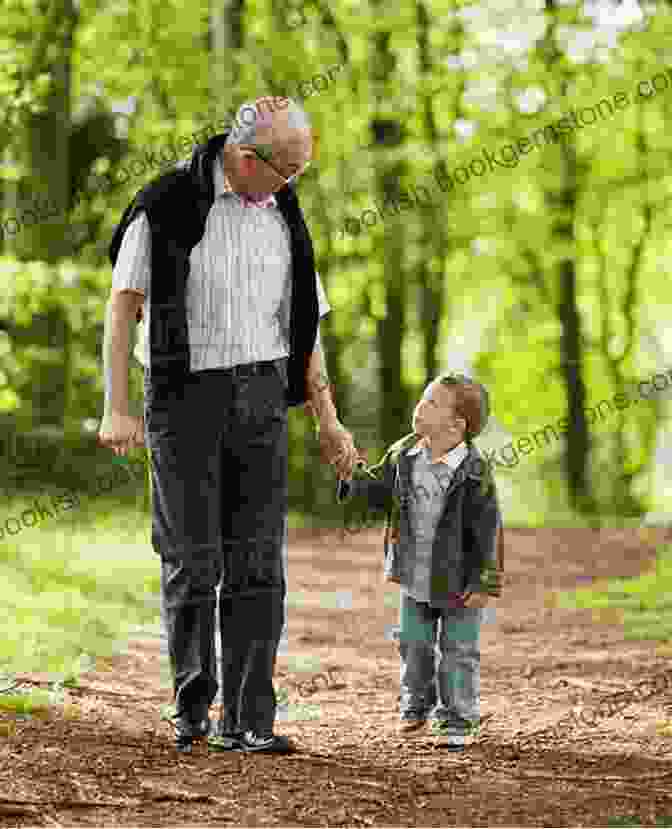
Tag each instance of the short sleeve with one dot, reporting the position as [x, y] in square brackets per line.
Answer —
[322, 300]
[132, 268]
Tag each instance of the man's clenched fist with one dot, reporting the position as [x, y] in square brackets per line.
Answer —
[121, 432]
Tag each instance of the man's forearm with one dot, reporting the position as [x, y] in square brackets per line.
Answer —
[117, 343]
[319, 387]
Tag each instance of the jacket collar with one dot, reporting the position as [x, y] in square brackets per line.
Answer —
[452, 458]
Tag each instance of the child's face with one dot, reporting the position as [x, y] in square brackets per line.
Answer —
[435, 416]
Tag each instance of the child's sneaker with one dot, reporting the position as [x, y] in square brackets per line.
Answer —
[453, 738]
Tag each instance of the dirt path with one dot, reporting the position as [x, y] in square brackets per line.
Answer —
[107, 759]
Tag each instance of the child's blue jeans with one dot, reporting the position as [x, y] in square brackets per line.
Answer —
[449, 691]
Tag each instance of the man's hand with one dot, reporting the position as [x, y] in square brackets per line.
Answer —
[475, 600]
[338, 448]
[121, 432]
[336, 443]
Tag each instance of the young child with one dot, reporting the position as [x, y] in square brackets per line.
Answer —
[444, 547]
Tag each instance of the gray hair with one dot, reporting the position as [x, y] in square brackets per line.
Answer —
[251, 115]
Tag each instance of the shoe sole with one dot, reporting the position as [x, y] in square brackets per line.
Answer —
[451, 742]
[271, 748]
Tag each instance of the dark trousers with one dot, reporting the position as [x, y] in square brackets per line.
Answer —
[218, 460]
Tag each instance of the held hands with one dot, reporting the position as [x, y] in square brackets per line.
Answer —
[475, 600]
[338, 448]
[121, 432]
[492, 580]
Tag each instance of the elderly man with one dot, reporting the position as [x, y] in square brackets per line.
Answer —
[223, 272]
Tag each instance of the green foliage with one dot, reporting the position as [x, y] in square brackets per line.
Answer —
[30, 703]
[490, 247]
[24, 29]
[35, 298]
[479, 266]
[72, 594]
[644, 603]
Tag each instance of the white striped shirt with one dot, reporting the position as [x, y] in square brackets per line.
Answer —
[239, 288]
[431, 480]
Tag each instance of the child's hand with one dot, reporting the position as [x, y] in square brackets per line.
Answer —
[475, 600]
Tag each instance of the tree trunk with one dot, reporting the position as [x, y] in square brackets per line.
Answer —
[431, 268]
[622, 499]
[44, 148]
[45, 139]
[394, 413]
[226, 40]
[562, 203]
[578, 438]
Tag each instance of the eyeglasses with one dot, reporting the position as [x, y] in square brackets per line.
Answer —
[264, 155]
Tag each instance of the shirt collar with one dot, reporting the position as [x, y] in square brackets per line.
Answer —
[222, 185]
[452, 458]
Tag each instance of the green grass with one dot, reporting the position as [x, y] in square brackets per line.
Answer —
[299, 712]
[303, 663]
[391, 597]
[644, 603]
[634, 821]
[76, 587]
[29, 703]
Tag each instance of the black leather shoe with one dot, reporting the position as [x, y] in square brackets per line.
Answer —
[189, 729]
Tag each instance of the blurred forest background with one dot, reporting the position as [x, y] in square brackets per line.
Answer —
[548, 281]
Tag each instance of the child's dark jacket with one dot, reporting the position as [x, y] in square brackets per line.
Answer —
[468, 548]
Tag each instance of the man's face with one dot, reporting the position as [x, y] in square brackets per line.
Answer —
[435, 416]
[259, 177]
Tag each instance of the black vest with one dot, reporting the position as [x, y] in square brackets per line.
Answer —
[177, 205]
